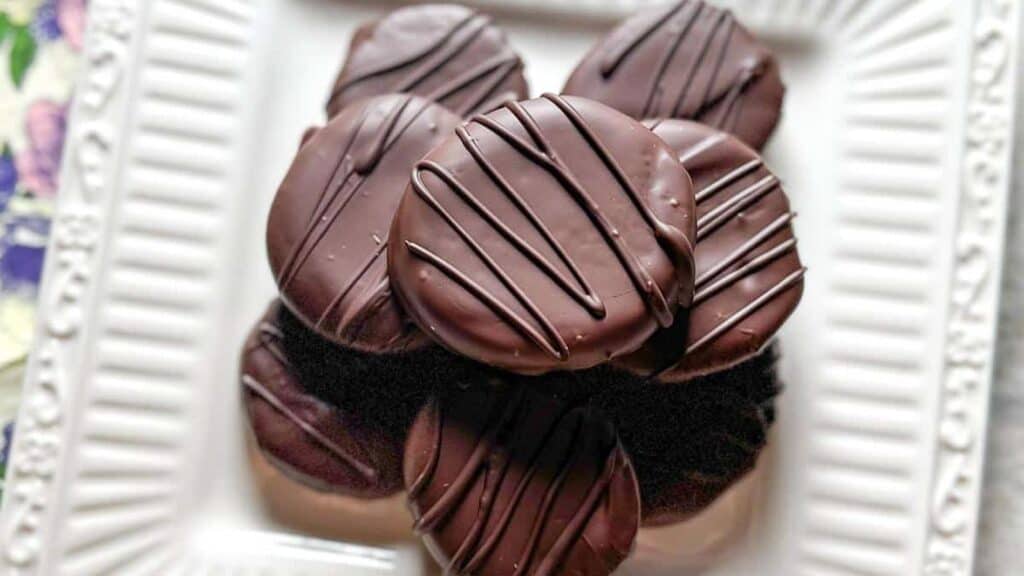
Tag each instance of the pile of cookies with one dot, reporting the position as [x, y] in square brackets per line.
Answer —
[542, 323]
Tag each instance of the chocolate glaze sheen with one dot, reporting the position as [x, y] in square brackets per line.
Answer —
[749, 275]
[688, 443]
[327, 234]
[510, 482]
[551, 234]
[687, 60]
[443, 52]
[310, 440]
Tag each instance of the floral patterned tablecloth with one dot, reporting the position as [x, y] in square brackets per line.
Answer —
[40, 41]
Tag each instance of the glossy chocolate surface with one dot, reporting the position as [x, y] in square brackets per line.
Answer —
[749, 276]
[309, 439]
[443, 52]
[551, 234]
[688, 443]
[506, 481]
[327, 235]
[687, 60]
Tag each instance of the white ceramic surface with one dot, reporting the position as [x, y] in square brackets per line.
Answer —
[895, 148]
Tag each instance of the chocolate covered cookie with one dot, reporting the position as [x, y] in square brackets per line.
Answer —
[506, 481]
[316, 443]
[749, 275]
[443, 52]
[552, 234]
[327, 235]
[687, 60]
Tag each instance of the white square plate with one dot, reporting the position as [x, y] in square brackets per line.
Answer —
[894, 148]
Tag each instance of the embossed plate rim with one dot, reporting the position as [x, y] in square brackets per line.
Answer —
[61, 375]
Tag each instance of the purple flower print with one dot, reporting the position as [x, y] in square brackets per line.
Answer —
[56, 19]
[5, 444]
[44, 25]
[8, 178]
[38, 166]
[71, 19]
[22, 247]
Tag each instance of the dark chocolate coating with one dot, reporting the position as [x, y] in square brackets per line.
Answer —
[507, 481]
[443, 52]
[327, 234]
[688, 60]
[314, 442]
[749, 275]
[551, 234]
[688, 443]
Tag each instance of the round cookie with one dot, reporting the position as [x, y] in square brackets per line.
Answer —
[376, 521]
[508, 481]
[313, 442]
[690, 443]
[443, 52]
[551, 234]
[687, 60]
[749, 276]
[327, 234]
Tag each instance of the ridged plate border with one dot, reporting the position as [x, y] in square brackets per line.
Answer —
[152, 184]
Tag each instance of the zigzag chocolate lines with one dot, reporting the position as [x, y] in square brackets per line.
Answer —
[550, 497]
[587, 297]
[748, 310]
[734, 106]
[373, 152]
[494, 477]
[667, 57]
[698, 60]
[671, 239]
[728, 19]
[724, 212]
[270, 337]
[728, 179]
[701, 147]
[557, 344]
[499, 68]
[484, 295]
[500, 461]
[348, 286]
[464, 480]
[615, 57]
[391, 66]
[368, 473]
[320, 223]
[756, 240]
[427, 474]
[342, 169]
[563, 544]
[644, 283]
[441, 57]
[484, 551]
[747, 269]
[728, 210]
[374, 298]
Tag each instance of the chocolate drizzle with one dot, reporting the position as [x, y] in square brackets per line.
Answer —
[331, 267]
[473, 511]
[535, 323]
[696, 62]
[367, 472]
[748, 270]
[312, 441]
[458, 59]
[269, 338]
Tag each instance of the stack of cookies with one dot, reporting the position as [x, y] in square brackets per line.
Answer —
[537, 324]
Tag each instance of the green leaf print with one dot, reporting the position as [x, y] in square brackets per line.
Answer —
[5, 27]
[23, 51]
